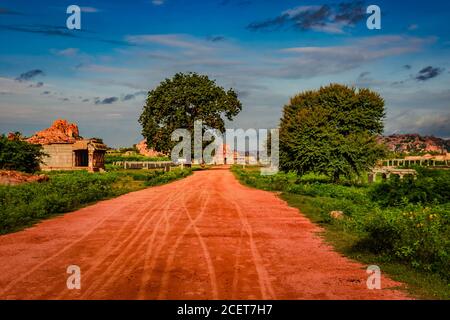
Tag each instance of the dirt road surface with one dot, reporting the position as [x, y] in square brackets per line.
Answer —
[204, 237]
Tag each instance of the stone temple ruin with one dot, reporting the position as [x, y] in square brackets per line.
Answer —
[67, 150]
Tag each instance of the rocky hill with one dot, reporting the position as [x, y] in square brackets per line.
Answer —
[61, 131]
[414, 143]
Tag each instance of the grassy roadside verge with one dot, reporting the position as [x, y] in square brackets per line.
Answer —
[109, 159]
[24, 205]
[368, 233]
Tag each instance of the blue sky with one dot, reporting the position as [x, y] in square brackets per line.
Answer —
[266, 50]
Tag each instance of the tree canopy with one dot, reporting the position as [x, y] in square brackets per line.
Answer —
[178, 102]
[19, 155]
[332, 131]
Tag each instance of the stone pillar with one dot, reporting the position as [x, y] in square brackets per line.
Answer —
[90, 160]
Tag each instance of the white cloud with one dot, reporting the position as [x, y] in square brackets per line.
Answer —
[12, 87]
[89, 10]
[158, 2]
[69, 52]
[413, 27]
[300, 9]
[307, 62]
[422, 122]
[169, 40]
[97, 68]
[331, 28]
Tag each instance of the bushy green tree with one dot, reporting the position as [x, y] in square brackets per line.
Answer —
[180, 101]
[16, 154]
[332, 131]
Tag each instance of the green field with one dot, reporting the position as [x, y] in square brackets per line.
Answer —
[111, 158]
[402, 226]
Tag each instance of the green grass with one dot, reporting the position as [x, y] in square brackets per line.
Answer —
[409, 242]
[25, 204]
[109, 159]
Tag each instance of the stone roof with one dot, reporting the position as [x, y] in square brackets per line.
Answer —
[86, 143]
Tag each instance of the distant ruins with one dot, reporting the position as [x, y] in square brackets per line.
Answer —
[67, 150]
[143, 149]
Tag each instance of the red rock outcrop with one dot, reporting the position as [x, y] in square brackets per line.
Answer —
[414, 143]
[10, 177]
[145, 151]
[12, 136]
[61, 131]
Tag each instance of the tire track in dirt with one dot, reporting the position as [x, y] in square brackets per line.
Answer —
[170, 259]
[58, 253]
[150, 261]
[236, 267]
[206, 253]
[132, 246]
[267, 290]
[150, 248]
[203, 237]
[112, 248]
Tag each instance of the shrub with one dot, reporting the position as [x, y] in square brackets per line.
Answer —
[416, 235]
[431, 186]
[19, 155]
[109, 159]
[165, 177]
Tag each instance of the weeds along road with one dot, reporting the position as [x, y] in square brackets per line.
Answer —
[204, 237]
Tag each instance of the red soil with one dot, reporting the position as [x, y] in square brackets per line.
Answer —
[204, 237]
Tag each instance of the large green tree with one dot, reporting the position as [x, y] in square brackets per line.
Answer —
[180, 101]
[332, 131]
[16, 154]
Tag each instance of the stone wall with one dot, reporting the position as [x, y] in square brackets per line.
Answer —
[60, 156]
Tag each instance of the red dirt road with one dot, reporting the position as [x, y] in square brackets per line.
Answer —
[204, 237]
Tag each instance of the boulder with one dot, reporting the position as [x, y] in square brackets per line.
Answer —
[337, 215]
[11, 177]
[61, 131]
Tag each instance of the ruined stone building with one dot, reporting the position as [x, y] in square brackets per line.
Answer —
[67, 150]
